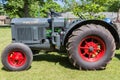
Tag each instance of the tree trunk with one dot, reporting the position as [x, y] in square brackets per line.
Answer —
[26, 8]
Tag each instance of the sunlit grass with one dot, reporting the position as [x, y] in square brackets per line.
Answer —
[53, 66]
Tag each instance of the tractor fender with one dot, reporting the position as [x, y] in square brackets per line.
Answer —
[78, 24]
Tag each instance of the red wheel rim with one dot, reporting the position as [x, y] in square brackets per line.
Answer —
[16, 58]
[92, 48]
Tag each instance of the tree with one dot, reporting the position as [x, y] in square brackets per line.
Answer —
[14, 8]
[42, 10]
[115, 6]
[1, 9]
[30, 8]
[88, 8]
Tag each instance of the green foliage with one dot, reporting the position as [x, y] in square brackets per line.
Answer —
[88, 8]
[40, 8]
[49, 4]
[30, 8]
[69, 5]
[2, 12]
[14, 8]
[115, 6]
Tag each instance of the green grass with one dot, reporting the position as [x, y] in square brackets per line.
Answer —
[53, 66]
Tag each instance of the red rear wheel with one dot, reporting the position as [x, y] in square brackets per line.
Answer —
[92, 48]
[16, 58]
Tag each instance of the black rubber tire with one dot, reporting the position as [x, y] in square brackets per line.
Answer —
[117, 25]
[17, 47]
[78, 35]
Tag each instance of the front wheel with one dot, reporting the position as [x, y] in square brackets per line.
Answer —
[17, 57]
[90, 47]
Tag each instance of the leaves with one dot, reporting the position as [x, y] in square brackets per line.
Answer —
[115, 6]
[49, 4]
[30, 8]
[89, 8]
[40, 8]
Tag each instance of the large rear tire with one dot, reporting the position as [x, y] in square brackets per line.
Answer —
[17, 57]
[90, 47]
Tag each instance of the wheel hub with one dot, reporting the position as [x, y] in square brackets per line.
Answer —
[92, 48]
[16, 58]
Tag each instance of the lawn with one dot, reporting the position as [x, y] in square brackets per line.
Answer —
[53, 66]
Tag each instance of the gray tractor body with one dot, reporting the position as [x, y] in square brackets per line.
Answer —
[33, 31]
[50, 33]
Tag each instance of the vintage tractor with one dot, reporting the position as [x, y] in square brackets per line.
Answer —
[90, 44]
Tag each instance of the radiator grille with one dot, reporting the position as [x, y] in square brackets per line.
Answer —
[30, 33]
[24, 34]
[40, 32]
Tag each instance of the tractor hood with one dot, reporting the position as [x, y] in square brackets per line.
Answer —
[30, 21]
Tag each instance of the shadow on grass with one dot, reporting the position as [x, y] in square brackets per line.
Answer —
[63, 61]
[4, 27]
[117, 56]
[12, 71]
[4, 69]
